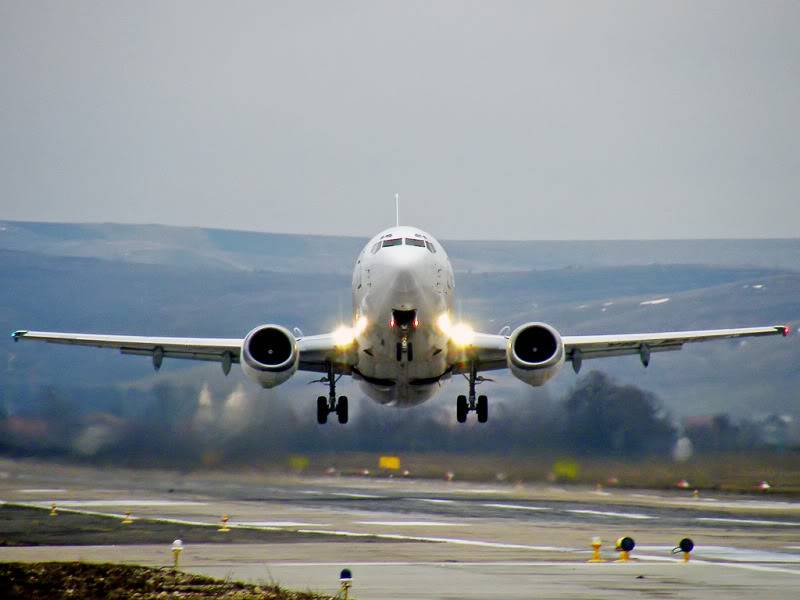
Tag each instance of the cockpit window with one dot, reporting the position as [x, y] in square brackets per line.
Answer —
[431, 247]
[375, 247]
[413, 242]
[392, 242]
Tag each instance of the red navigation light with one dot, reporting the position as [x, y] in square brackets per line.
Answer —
[391, 322]
[786, 330]
[416, 323]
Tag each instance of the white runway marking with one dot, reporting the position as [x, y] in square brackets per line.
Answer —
[729, 553]
[600, 513]
[129, 502]
[516, 507]
[748, 521]
[42, 491]
[748, 504]
[353, 495]
[412, 523]
[436, 501]
[280, 524]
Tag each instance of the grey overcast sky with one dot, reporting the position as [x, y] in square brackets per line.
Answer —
[501, 120]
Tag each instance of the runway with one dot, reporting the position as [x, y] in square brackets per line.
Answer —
[407, 538]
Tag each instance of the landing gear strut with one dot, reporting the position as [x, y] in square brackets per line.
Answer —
[329, 404]
[480, 405]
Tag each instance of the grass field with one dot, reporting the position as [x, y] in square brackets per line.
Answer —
[731, 472]
[57, 581]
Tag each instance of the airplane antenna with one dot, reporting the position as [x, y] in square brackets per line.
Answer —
[397, 208]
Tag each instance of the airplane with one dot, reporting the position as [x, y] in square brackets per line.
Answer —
[403, 341]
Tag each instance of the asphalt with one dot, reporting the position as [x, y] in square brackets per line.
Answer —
[408, 538]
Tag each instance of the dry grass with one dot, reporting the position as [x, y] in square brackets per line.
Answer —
[86, 581]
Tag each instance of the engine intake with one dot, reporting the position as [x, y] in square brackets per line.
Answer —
[269, 355]
[535, 353]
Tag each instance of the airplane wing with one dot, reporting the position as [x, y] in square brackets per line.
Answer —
[315, 350]
[578, 348]
[490, 350]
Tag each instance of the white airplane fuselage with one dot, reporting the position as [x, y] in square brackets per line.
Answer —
[402, 284]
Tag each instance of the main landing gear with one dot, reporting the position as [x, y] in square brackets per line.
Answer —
[329, 404]
[465, 405]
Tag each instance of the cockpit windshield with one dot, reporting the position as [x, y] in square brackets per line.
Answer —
[392, 242]
[415, 242]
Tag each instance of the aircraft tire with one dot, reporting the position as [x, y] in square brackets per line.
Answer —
[461, 409]
[341, 409]
[322, 410]
[482, 408]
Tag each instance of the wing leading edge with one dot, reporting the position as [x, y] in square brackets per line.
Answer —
[490, 350]
[578, 348]
[315, 350]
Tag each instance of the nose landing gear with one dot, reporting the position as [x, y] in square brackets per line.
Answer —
[329, 404]
[465, 405]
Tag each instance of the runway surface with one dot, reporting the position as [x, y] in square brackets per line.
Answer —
[406, 538]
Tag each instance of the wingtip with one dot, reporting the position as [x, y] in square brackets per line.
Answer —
[18, 334]
[785, 330]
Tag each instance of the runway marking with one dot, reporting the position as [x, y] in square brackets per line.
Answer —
[733, 554]
[483, 491]
[600, 513]
[314, 492]
[129, 502]
[457, 541]
[42, 491]
[436, 501]
[748, 521]
[354, 495]
[280, 524]
[412, 523]
[517, 507]
[528, 563]
[749, 504]
[730, 565]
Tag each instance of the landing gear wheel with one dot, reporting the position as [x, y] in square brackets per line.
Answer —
[482, 408]
[322, 410]
[341, 409]
[461, 409]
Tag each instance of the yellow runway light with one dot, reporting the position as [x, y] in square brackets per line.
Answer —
[223, 528]
[596, 543]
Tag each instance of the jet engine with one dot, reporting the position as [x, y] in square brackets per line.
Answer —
[535, 353]
[269, 355]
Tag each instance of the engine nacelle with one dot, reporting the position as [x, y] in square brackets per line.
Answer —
[535, 353]
[269, 355]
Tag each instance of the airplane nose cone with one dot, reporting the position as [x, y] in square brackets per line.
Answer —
[407, 267]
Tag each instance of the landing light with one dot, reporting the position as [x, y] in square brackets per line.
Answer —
[344, 336]
[460, 334]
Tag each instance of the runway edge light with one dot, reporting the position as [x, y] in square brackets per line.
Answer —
[345, 583]
[223, 525]
[686, 545]
[596, 543]
[624, 546]
[177, 548]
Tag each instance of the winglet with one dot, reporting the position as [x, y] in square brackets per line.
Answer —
[18, 334]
